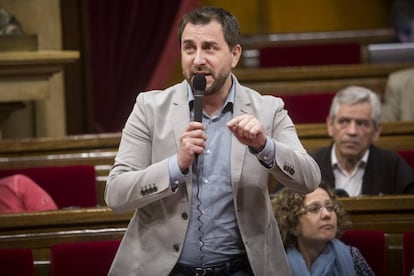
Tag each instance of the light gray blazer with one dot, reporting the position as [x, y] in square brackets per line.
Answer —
[140, 180]
[399, 96]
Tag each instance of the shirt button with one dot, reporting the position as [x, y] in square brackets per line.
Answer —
[184, 216]
[265, 157]
[176, 182]
[176, 247]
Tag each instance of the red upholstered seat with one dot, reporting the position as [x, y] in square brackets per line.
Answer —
[312, 54]
[16, 261]
[408, 155]
[372, 245]
[69, 186]
[408, 252]
[308, 108]
[83, 258]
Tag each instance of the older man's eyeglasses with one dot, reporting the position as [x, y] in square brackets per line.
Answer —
[316, 208]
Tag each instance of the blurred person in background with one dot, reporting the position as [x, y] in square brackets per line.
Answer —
[19, 193]
[398, 102]
[353, 162]
[310, 225]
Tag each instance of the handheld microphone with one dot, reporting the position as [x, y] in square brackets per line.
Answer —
[199, 85]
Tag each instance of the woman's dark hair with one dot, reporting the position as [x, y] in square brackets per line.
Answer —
[288, 208]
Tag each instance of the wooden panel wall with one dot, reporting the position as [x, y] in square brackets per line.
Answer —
[281, 16]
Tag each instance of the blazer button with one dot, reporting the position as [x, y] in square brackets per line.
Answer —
[184, 216]
[176, 247]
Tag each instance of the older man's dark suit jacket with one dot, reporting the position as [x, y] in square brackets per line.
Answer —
[385, 173]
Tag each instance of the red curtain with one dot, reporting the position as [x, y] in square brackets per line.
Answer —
[128, 46]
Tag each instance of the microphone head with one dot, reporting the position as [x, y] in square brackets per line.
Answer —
[341, 192]
[199, 82]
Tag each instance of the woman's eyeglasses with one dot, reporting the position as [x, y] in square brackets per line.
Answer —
[316, 208]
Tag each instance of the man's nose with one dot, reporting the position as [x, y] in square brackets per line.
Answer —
[325, 213]
[352, 127]
[199, 58]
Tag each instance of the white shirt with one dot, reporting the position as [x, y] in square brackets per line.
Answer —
[349, 182]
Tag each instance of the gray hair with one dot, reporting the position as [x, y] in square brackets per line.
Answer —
[356, 94]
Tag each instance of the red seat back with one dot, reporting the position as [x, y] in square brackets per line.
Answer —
[308, 108]
[408, 252]
[372, 245]
[16, 261]
[313, 54]
[69, 186]
[408, 155]
[83, 258]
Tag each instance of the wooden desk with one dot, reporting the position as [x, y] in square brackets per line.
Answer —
[100, 149]
[392, 214]
[41, 230]
[37, 76]
[92, 149]
[19, 152]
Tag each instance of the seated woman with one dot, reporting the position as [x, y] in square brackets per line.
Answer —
[19, 193]
[310, 225]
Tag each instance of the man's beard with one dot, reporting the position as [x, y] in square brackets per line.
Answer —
[215, 86]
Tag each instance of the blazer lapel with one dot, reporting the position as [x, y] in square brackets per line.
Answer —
[180, 111]
[180, 119]
[238, 150]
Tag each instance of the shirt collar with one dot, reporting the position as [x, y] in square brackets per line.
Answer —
[361, 163]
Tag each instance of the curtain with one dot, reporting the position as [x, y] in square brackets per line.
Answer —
[171, 53]
[129, 54]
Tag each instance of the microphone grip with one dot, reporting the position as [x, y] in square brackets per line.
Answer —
[198, 107]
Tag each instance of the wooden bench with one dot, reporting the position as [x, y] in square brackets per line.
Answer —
[100, 149]
[363, 37]
[42, 230]
[392, 214]
[315, 79]
[253, 46]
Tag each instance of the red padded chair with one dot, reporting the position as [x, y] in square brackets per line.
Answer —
[372, 245]
[69, 186]
[312, 54]
[308, 108]
[408, 155]
[83, 258]
[16, 261]
[408, 252]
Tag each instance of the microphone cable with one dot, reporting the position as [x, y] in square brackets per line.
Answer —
[199, 170]
[199, 86]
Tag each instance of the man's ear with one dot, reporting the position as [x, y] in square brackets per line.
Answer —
[236, 52]
[329, 125]
[377, 133]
